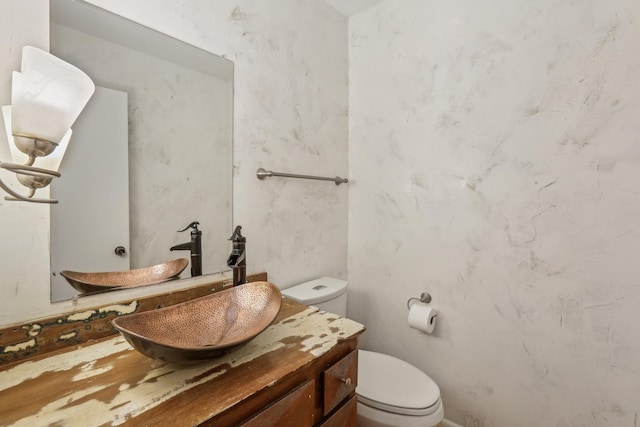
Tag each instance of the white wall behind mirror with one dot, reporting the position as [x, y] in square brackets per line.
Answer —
[175, 124]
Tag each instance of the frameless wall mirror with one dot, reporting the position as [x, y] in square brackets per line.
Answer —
[151, 153]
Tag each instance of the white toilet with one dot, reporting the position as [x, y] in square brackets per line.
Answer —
[391, 392]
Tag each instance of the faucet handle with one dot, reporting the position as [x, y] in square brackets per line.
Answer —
[193, 225]
[237, 235]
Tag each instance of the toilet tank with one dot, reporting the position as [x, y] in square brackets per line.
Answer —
[326, 293]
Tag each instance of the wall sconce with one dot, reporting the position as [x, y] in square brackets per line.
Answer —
[47, 97]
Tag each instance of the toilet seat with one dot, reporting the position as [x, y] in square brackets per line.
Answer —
[372, 417]
[400, 410]
[395, 386]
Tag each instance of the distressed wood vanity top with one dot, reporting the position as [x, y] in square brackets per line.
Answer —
[108, 383]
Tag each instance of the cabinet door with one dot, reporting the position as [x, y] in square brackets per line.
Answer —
[293, 410]
[340, 381]
[346, 416]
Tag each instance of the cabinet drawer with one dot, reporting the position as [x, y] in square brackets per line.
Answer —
[340, 381]
[347, 416]
[294, 409]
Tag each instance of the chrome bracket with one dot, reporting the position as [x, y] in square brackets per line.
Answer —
[424, 298]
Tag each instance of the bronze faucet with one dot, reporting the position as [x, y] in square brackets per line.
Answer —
[195, 246]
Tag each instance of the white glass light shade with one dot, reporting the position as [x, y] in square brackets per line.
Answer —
[51, 162]
[48, 95]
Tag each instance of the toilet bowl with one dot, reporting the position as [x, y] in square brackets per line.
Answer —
[391, 392]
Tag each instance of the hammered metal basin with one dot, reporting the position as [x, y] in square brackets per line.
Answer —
[202, 328]
[99, 282]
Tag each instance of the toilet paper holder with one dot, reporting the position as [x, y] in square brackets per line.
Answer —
[425, 297]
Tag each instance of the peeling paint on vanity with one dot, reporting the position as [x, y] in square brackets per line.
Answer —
[37, 333]
[80, 316]
[34, 330]
[21, 346]
[117, 309]
[89, 371]
[109, 383]
[120, 309]
[68, 336]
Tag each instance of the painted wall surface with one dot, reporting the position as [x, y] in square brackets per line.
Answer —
[290, 114]
[24, 248]
[494, 162]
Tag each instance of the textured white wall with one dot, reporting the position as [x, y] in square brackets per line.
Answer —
[24, 248]
[494, 161]
[290, 114]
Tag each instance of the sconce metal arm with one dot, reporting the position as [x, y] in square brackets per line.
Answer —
[27, 170]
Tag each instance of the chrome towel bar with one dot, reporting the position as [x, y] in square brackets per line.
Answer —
[262, 174]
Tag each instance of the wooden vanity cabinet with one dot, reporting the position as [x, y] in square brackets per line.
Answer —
[340, 381]
[301, 371]
[295, 409]
[346, 415]
[326, 396]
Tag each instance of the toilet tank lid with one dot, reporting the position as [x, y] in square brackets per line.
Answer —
[316, 291]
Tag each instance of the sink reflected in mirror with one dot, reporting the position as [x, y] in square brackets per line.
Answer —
[203, 328]
[106, 281]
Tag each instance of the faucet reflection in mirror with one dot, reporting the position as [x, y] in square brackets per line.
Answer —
[46, 98]
[194, 246]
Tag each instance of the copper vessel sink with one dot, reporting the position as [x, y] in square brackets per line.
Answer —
[98, 282]
[202, 328]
